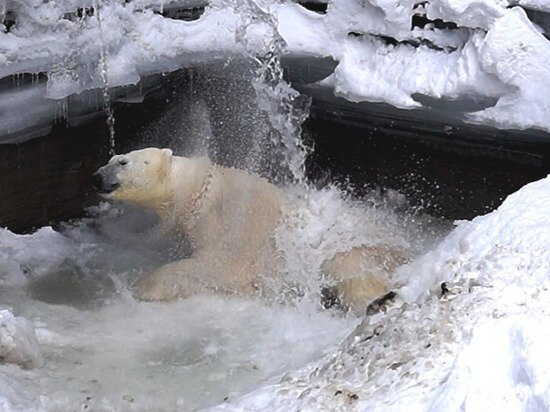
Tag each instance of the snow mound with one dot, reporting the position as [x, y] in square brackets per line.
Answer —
[510, 246]
[18, 342]
[504, 367]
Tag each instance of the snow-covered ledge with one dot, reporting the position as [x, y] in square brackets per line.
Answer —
[388, 50]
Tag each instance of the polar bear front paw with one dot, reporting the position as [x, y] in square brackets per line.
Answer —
[170, 282]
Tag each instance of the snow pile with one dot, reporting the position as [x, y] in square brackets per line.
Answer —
[510, 246]
[18, 342]
[388, 51]
[476, 342]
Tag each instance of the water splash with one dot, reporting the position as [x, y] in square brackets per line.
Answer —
[286, 108]
[107, 107]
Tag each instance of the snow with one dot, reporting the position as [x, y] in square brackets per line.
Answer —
[393, 77]
[494, 51]
[503, 367]
[510, 246]
[516, 52]
[541, 5]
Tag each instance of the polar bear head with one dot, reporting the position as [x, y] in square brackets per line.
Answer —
[141, 177]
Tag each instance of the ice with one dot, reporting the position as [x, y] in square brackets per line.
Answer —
[26, 256]
[39, 110]
[18, 342]
[134, 38]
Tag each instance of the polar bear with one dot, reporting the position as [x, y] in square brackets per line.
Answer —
[230, 216]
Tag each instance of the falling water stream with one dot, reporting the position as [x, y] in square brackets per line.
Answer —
[285, 107]
[103, 68]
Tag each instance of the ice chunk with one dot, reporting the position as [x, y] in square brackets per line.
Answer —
[18, 342]
[32, 255]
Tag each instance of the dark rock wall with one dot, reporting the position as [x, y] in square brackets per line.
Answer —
[442, 183]
[47, 179]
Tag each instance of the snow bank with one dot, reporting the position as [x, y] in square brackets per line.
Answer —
[18, 342]
[387, 50]
[504, 367]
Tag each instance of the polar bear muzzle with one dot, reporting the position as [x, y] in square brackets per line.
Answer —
[104, 181]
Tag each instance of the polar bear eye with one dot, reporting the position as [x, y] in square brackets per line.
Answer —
[146, 162]
[123, 162]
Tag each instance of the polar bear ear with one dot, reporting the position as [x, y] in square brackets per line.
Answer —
[167, 153]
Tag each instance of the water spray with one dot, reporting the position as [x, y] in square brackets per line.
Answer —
[286, 108]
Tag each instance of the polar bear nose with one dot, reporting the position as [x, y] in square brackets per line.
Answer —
[97, 181]
[103, 186]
